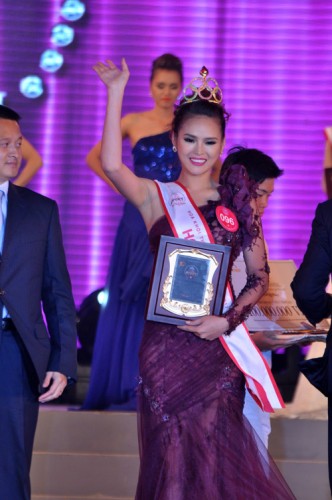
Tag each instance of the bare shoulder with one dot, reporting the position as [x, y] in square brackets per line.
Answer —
[135, 126]
[134, 119]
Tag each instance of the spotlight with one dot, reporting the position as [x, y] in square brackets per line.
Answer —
[88, 315]
[102, 297]
[31, 86]
[72, 10]
[2, 96]
[62, 35]
[51, 61]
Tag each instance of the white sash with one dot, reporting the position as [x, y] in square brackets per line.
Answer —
[187, 222]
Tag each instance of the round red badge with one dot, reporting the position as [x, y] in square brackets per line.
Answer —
[227, 219]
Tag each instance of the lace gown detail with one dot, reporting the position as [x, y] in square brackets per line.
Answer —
[194, 441]
[114, 370]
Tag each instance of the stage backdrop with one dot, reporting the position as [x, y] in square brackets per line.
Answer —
[273, 61]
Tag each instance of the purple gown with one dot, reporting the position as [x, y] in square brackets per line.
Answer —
[195, 442]
[114, 370]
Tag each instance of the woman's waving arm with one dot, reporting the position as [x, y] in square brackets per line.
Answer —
[137, 190]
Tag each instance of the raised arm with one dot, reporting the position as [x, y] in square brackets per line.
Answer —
[140, 192]
[33, 162]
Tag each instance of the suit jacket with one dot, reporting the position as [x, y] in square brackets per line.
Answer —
[309, 286]
[311, 279]
[309, 290]
[34, 280]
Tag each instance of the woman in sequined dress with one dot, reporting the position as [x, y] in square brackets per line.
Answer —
[114, 370]
[194, 441]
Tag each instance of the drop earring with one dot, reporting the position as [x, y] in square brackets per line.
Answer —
[174, 149]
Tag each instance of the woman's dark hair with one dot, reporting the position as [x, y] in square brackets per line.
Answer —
[168, 62]
[199, 107]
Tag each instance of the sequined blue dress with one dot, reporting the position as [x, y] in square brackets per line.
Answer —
[114, 370]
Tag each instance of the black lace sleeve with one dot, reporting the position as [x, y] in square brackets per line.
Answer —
[256, 286]
[240, 195]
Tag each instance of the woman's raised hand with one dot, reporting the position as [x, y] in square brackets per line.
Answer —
[111, 75]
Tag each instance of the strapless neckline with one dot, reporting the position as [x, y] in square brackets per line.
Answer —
[149, 137]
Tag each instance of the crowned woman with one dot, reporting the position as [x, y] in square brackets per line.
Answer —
[194, 441]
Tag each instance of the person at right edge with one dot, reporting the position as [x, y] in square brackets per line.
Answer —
[310, 292]
[36, 362]
[194, 440]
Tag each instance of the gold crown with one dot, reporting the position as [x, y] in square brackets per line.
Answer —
[204, 88]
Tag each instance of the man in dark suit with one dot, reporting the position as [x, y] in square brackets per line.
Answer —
[36, 362]
[309, 289]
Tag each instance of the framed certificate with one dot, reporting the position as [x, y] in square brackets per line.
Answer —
[189, 280]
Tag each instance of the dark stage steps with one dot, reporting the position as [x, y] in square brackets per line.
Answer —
[93, 455]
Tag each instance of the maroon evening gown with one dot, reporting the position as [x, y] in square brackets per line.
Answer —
[195, 443]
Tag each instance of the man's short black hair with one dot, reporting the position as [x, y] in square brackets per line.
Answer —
[8, 113]
[259, 165]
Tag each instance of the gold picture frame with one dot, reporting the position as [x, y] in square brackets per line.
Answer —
[188, 281]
